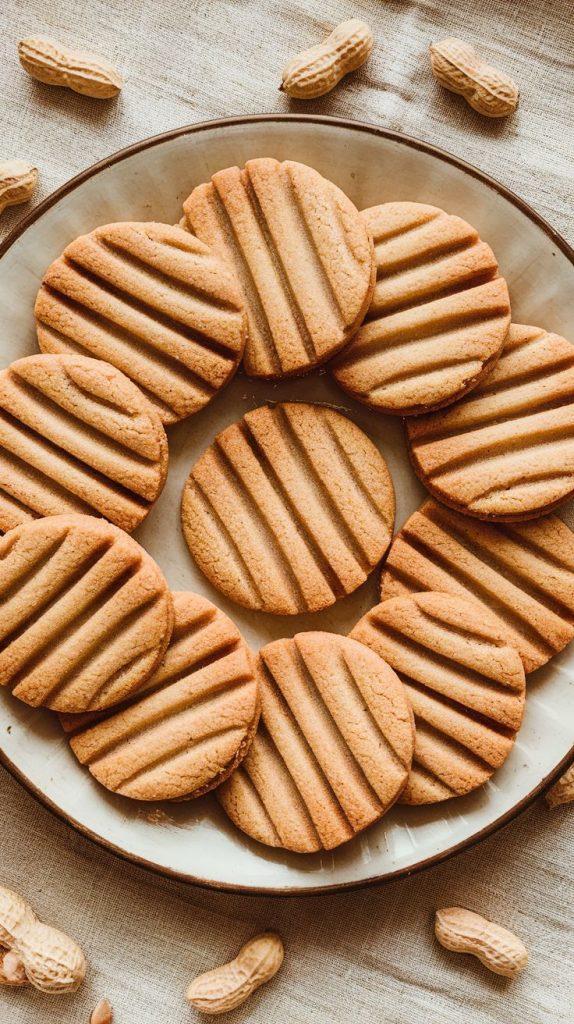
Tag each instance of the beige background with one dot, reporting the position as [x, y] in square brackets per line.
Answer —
[361, 957]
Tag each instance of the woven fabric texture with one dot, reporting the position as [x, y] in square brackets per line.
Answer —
[371, 955]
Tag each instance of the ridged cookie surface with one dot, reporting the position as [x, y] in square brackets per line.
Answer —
[155, 302]
[506, 451]
[303, 256]
[524, 573]
[333, 748]
[77, 436]
[191, 724]
[85, 613]
[438, 317]
[465, 683]
[289, 509]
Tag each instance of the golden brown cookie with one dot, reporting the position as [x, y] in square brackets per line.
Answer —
[506, 452]
[77, 436]
[439, 314]
[303, 256]
[523, 573]
[289, 509]
[191, 723]
[465, 683]
[152, 300]
[85, 613]
[333, 748]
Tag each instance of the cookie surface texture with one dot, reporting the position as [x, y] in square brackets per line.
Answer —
[85, 613]
[289, 509]
[77, 436]
[465, 683]
[193, 722]
[302, 253]
[152, 300]
[439, 314]
[506, 451]
[333, 748]
[523, 573]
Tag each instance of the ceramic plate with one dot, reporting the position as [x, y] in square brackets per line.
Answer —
[194, 841]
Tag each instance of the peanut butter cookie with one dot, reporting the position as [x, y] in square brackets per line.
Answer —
[465, 683]
[289, 509]
[333, 748]
[439, 315]
[303, 256]
[152, 300]
[85, 613]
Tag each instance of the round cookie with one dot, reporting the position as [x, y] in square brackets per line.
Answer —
[439, 314]
[289, 509]
[333, 749]
[77, 436]
[506, 452]
[152, 300]
[465, 683]
[85, 613]
[303, 256]
[190, 725]
[524, 574]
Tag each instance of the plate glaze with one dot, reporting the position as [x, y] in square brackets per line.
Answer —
[194, 841]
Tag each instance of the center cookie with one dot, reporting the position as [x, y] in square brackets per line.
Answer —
[333, 749]
[303, 256]
[465, 683]
[506, 452]
[289, 509]
[193, 722]
[77, 436]
[85, 613]
[439, 315]
[155, 302]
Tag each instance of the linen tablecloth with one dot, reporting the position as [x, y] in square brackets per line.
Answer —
[359, 957]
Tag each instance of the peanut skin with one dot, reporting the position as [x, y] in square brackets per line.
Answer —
[55, 64]
[463, 931]
[18, 181]
[228, 986]
[318, 70]
[458, 67]
[48, 959]
[562, 792]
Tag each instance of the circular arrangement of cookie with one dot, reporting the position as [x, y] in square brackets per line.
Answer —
[523, 573]
[333, 749]
[77, 436]
[303, 256]
[190, 725]
[85, 613]
[289, 509]
[152, 300]
[439, 315]
[506, 451]
[465, 683]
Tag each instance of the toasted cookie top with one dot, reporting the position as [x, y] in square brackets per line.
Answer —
[77, 436]
[303, 256]
[289, 509]
[333, 748]
[85, 613]
[438, 317]
[505, 452]
[152, 300]
[465, 683]
[190, 725]
[524, 573]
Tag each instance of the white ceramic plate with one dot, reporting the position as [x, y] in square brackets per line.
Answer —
[194, 841]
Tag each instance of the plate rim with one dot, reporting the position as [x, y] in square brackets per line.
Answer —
[556, 238]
